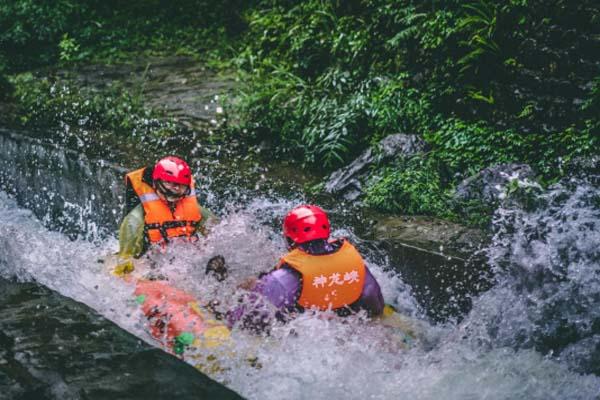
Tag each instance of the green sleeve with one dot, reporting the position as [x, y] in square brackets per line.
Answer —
[208, 219]
[207, 215]
[131, 233]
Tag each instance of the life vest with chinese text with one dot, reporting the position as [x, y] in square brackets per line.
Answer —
[329, 281]
[162, 224]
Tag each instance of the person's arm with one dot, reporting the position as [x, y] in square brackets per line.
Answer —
[371, 298]
[131, 240]
[279, 287]
[208, 219]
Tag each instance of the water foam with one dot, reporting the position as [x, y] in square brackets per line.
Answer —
[491, 355]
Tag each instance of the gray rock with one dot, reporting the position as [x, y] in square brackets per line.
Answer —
[440, 260]
[349, 180]
[430, 234]
[489, 185]
[401, 145]
[52, 347]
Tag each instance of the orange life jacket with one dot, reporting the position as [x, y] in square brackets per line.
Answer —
[329, 281]
[162, 224]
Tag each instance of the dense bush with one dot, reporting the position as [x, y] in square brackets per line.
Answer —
[476, 61]
[413, 187]
[36, 33]
[32, 29]
[467, 148]
[484, 82]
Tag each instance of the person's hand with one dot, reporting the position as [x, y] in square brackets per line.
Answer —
[124, 266]
[216, 267]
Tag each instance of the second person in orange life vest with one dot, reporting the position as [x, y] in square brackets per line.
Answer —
[316, 273]
[160, 205]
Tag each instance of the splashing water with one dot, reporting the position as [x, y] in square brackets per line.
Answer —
[547, 263]
[547, 271]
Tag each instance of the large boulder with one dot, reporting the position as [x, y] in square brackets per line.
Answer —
[430, 234]
[440, 260]
[489, 186]
[349, 181]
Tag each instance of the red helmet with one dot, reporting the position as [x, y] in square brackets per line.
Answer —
[173, 169]
[305, 223]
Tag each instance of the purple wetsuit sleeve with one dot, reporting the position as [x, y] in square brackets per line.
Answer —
[371, 298]
[280, 287]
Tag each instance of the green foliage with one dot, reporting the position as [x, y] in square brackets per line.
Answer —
[325, 123]
[316, 124]
[466, 148]
[326, 79]
[480, 24]
[460, 149]
[413, 187]
[591, 107]
[31, 26]
[38, 33]
[303, 39]
[394, 107]
[69, 49]
[461, 57]
[342, 64]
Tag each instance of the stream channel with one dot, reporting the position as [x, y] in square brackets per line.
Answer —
[526, 327]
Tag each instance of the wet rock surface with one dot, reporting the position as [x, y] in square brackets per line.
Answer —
[430, 234]
[52, 347]
[62, 187]
[181, 87]
[489, 185]
[443, 286]
[349, 180]
[440, 260]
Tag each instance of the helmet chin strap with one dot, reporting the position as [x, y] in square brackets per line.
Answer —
[290, 243]
[169, 195]
[172, 199]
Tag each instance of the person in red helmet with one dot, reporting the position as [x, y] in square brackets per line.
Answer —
[160, 205]
[317, 273]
